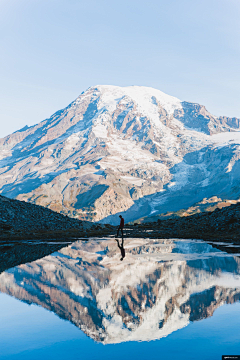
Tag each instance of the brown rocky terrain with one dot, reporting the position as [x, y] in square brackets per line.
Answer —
[112, 150]
[29, 232]
[206, 205]
[22, 220]
[218, 225]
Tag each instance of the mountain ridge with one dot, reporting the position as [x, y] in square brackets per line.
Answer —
[132, 150]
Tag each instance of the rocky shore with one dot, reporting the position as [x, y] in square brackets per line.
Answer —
[20, 220]
[29, 232]
[219, 225]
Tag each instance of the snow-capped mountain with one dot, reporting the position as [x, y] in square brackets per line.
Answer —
[160, 287]
[134, 150]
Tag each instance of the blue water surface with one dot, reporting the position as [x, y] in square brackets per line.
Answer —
[30, 332]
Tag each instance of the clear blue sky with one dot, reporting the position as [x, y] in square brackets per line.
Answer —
[52, 50]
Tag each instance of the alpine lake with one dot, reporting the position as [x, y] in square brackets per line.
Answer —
[166, 299]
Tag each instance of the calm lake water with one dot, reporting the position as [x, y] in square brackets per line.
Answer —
[167, 299]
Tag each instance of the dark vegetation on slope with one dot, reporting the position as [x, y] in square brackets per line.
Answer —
[29, 232]
[219, 225]
[24, 221]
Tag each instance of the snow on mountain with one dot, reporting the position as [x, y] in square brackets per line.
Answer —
[159, 288]
[134, 150]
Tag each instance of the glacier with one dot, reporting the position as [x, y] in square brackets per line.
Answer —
[130, 150]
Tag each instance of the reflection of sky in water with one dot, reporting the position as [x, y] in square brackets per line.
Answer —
[165, 290]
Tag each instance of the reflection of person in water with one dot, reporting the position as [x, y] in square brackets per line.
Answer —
[121, 226]
[121, 249]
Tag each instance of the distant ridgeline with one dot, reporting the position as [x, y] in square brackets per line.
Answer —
[133, 151]
[220, 224]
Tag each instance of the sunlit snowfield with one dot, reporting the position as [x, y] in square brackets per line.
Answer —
[167, 299]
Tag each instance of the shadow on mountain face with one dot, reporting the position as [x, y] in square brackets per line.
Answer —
[26, 148]
[31, 183]
[201, 174]
[102, 119]
[88, 198]
[194, 116]
[162, 286]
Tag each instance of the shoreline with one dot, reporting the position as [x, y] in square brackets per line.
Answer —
[19, 250]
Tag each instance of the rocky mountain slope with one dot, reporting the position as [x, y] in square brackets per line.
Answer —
[160, 287]
[219, 225]
[134, 150]
[29, 232]
[19, 218]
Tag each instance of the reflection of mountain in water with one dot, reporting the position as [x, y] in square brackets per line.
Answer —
[159, 287]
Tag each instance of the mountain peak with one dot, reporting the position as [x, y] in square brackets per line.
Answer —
[121, 149]
[142, 95]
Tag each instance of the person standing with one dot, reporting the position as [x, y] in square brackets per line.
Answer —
[121, 226]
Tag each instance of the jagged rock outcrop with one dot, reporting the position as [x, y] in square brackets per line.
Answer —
[134, 150]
